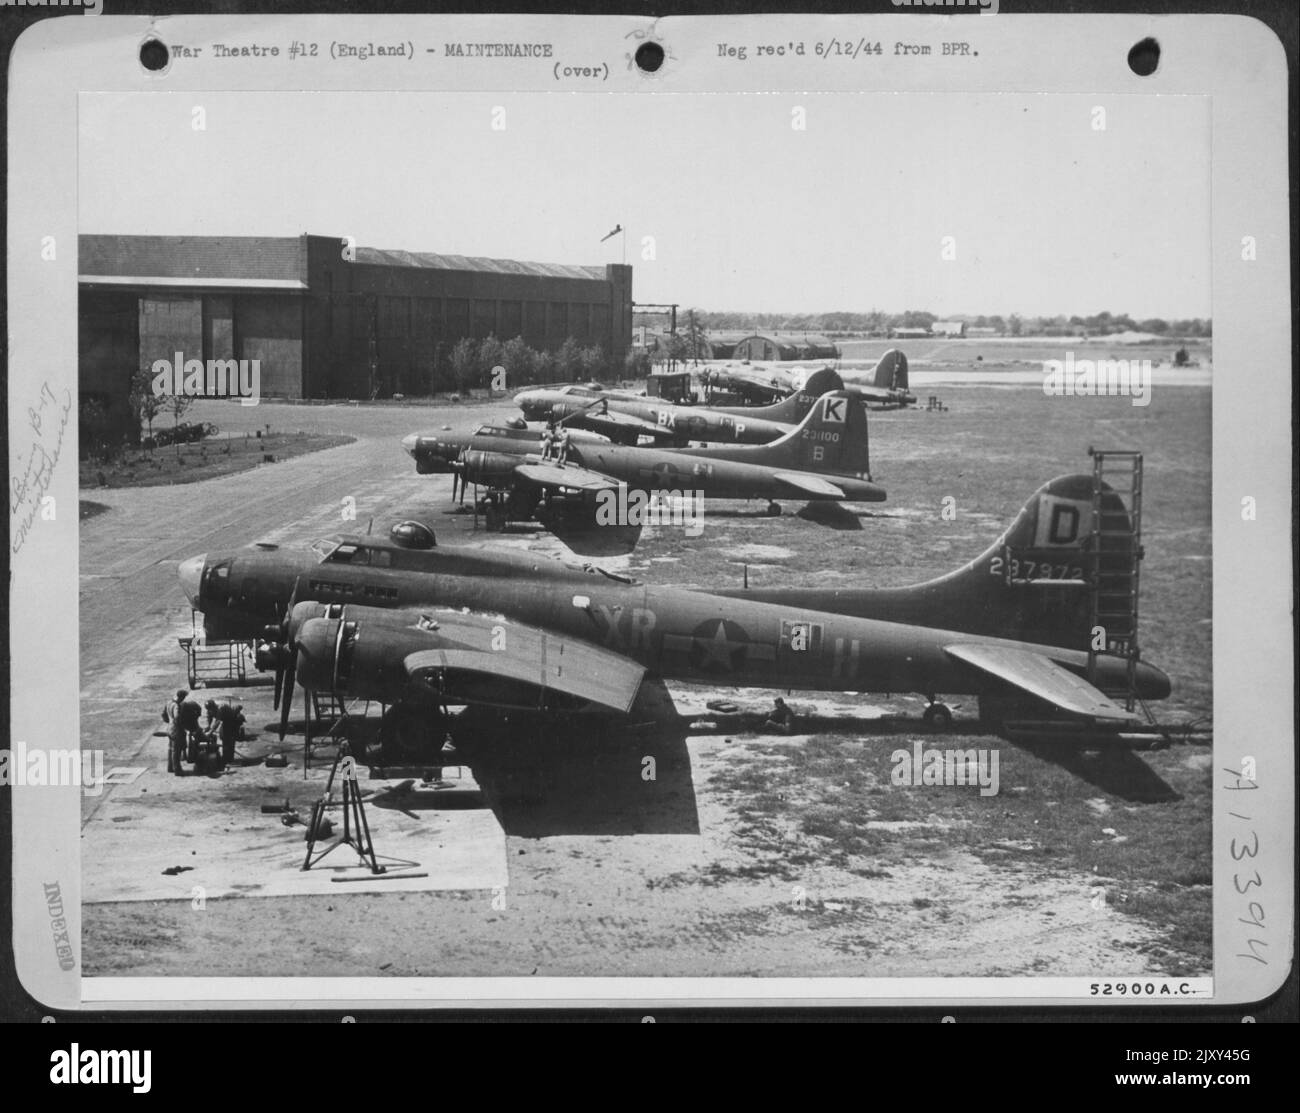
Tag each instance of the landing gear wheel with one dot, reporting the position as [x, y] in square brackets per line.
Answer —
[409, 735]
[938, 718]
[773, 509]
[494, 519]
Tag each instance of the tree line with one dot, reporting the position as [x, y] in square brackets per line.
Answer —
[470, 363]
[877, 322]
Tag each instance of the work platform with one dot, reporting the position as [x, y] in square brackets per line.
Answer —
[204, 838]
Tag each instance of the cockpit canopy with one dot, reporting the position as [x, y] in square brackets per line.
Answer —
[332, 551]
[506, 432]
[354, 550]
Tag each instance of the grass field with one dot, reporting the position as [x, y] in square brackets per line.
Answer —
[1029, 349]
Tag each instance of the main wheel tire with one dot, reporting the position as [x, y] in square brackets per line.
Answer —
[409, 737]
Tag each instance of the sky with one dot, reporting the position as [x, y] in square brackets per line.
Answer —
[725, 205]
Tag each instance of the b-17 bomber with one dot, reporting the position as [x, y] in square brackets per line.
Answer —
[404, 621]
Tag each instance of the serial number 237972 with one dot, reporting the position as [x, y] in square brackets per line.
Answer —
[1035, 569]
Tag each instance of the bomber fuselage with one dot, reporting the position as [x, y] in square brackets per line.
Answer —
[676, 633]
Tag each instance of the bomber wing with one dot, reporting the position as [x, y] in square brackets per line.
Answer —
[1038, 675]
[528, 656]
[763, 382]
[566, 475]
[805, 483]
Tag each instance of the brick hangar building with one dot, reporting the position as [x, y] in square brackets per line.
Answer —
[323, 324]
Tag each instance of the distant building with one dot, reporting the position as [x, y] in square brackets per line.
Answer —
[322, 325]
[722, 344]
[909, 333]
[954, 329]
[788, 347]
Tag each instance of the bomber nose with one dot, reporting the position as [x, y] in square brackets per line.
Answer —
[190, 574]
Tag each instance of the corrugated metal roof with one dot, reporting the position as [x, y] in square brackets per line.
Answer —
[246, 258]
[252, 259]
[379, 257]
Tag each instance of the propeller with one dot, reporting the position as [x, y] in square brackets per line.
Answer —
[279, 686]
[271, 652]
[287, 664]
[306, 719]
[290, 677]
[459, 476]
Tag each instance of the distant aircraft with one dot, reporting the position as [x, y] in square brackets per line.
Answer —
[626, 418]
[761, 385]
[826, 457]
[888, 388]
[791, 409]
[425, 627]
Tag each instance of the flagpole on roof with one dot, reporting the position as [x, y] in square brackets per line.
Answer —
[618, 230]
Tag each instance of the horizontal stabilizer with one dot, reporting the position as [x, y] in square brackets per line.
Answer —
[557, 475]
[1038, 675]
[803, 483]
[531, 657]
[874, 393]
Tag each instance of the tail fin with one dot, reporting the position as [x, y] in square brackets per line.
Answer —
[831, 439]
[1031, 583]
[891, 371]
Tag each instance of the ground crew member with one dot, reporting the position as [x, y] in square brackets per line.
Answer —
[548, 442]
[175, 731]
[781, 718]
[190, 715]
[562, 445]
[231, 721]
